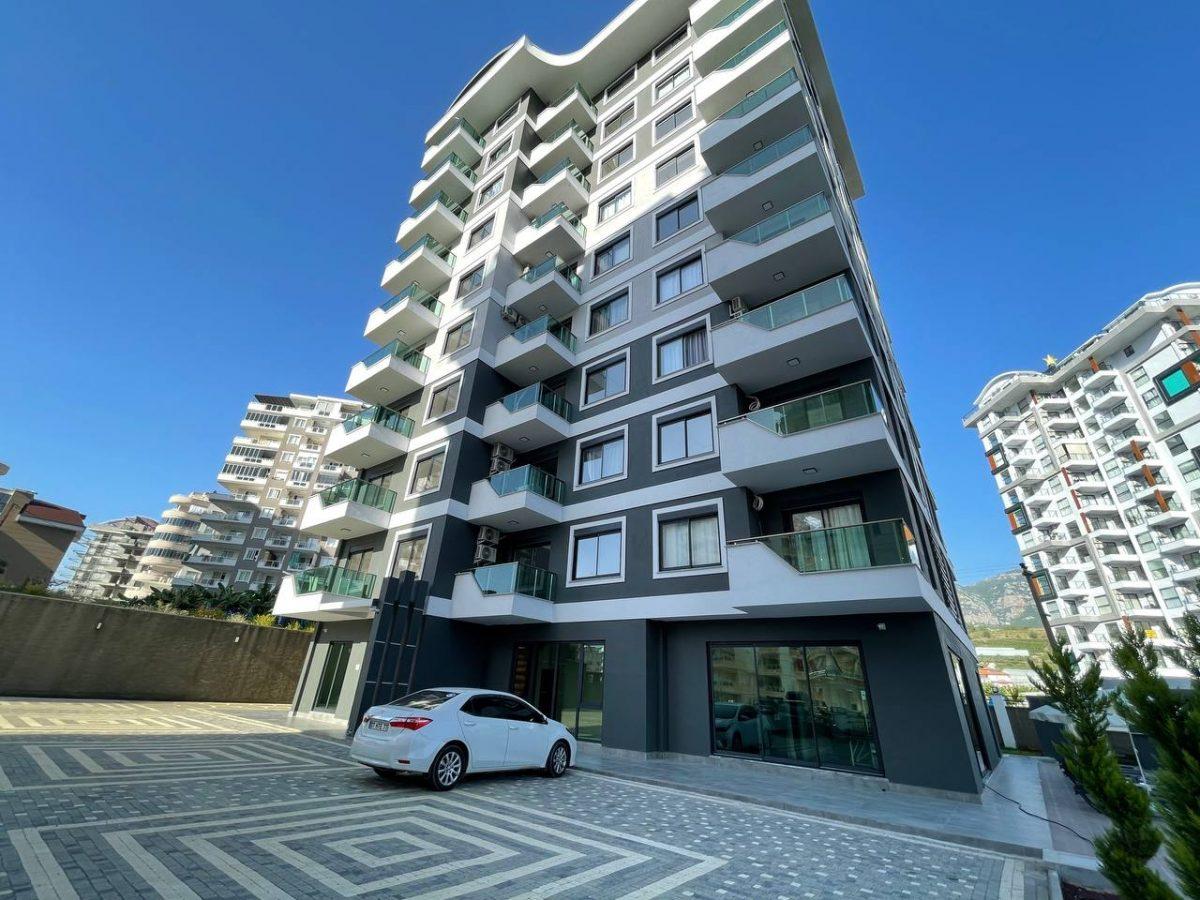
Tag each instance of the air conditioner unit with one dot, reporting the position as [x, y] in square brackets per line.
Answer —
[503, 452]
[485, 554]
[755, 404]
[756, 503]
[510, 315]
[488, 534]
[498, 466]
[736, 306]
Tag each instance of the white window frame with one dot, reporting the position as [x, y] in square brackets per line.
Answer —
[667, 207]
[599, 364]
[408, 535]
[433, 389]
[572, 581]
[674, 332]
[470, 316]
[691, 75]
[600, 437]
[681, 260]
[480, 201]
[490, 224]
[682, 148]
[417, 458]
[612, 195]
[238, 579]
[655, 140]
[496, 154]
[656, 514]
[686, 28]
[627, 236]
[605, 136]
[601, 175]
[250, 554]
[600, 302]
[482, 269]
[259, 533]
[632, 73]
[677, 412]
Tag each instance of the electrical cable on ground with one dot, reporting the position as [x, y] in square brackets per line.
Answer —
[1036, 816]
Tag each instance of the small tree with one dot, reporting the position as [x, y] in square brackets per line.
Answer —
[1172, 720]
[1126, 848]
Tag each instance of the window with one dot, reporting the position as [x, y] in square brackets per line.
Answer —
[410, 554]
[259, 533]
[622, 199]
[444, 400]
[679, 279]
[669, 168]
[676, 38]
[621, 82]
[677, 218]
[689, 543]
[427, 473]
[677, 117]
[680, 76]
[682, 352]
[605, 380]
[459, 336]
[1179, 380]
[615, 160]
[597, 555]
[603, 459]
[500, 150]
[615, 123]
[506, 116]
[612, 255]
[471, 280]
[293, 440]
[481, 234]
[492, 190]
[251, 554]
[608, 314]
[243, 575]
[687, 437]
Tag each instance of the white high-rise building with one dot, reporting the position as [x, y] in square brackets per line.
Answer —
[107, 555]
[1097, 461]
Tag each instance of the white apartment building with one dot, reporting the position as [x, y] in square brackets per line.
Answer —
[1097, 462]
[106, 557]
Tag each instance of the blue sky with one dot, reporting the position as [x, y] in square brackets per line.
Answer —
[174, 178]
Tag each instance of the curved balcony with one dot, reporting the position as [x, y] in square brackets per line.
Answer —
[369, 438]
[508, 593]
[351, 508]
[552, 288]
[388, 374]
[537, 350]
[767, 114]
[521, 498]
[575, 105]
[782, 173]
[452, 177]
[569, 142]
[426, 263]
[811, 330]
[822, 437]
[411, 315]
[556, 232]
[732, 32]
[529, 418]
[771, 52]
[462, 141]
[441, 218]
[325, 594]
[564, 185]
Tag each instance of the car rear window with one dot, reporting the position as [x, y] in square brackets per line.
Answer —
[424, 699]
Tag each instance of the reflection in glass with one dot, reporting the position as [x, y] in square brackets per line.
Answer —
[783, 697]
[735, 700]
[843, 717]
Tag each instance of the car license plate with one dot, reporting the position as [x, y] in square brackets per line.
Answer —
[377, 725]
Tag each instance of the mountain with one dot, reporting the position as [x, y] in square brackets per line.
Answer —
[1001, 601]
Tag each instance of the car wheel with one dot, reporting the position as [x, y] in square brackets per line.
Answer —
[447, 769]
[558, 760]
[389, 774]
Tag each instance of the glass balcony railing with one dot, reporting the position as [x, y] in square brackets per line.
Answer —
[546, 325]
[444, 199]
[470, 130]
[864, 546]
[577, 88]
[516, 578]
[570, 167]
[753, 47]
[539, 394]
[414, 358]
[335, 580]
[768, 154]
[434, 246]
[853, 401]
[579, 133]
[378, 415]
[457, 161]
[554, 212]
[792, 217]
[800, 305]
[546, 266]
[358, 491]
[528, 478]
[735, 15]
[756, 99]
[416, 293]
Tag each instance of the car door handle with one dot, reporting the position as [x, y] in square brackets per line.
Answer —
[468, 724]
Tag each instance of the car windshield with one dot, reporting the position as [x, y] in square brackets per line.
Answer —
[424, 699]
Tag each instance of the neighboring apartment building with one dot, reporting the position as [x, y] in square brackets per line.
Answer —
[1097, 461]
[34, 536]
[169, 545]
[106, 557]
[639, 450]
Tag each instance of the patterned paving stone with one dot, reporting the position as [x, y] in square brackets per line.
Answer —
[281, 814]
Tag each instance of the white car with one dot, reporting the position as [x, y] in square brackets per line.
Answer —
[444, 733]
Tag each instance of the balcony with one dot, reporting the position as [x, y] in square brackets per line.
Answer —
[826, 436]
[1113, 396]
[569, 142]
[814, 329]
[1118, 421]
[509, 593]
[461, 141]
[441, 218]
[573, 106]
[411, 315]
[452, 177]
[349, 509]
[529, 418]
[325, 594]
[521, 498]
[221, 560]
[732, 32]
[426, 263]
[540, 349]
[764, 116]
[370, 437]
[257, 424]
[1164, 518]
[795, 247]
[779, 175]
[556, 232]
[1179, 546]
[388, 374]
[564, 185]
[856, 569]
[741, 73]
[209, 536]
[552, 288]
[1098, 379]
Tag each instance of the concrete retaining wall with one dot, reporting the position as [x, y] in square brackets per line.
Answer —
[51, 647]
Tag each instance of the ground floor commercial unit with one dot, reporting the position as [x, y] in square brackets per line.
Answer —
[893, 695]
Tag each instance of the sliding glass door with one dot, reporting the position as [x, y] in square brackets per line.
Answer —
[565, 681]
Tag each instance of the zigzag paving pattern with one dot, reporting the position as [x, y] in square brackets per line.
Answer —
[224, 810]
